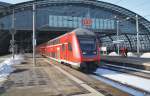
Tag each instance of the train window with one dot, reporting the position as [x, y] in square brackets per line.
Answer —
[58, 41]
[70, 46]
[53, 42]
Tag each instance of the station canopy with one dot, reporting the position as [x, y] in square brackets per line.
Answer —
[56, 16]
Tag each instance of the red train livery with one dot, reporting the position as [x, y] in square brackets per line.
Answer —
[78, 48]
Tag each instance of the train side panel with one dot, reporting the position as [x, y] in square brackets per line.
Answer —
[76, 49]
[70, 52]
[67, 48]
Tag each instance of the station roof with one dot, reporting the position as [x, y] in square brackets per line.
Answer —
[4, 11]
[4, 5]
[42, 3]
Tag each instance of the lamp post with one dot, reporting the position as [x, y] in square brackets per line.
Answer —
[33, 37]
[13, 32]
[137, 35]
[118, 36]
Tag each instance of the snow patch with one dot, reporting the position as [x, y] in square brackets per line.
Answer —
[145, 55]
[130, 54]
[129, 90]
[113, 54]
[138, 82]
[6, 66]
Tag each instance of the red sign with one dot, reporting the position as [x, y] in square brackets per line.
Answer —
[87, 21]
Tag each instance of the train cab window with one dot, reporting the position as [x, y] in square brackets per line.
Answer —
[87, 43]
[70, 46]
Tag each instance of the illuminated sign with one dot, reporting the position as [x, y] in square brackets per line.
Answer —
[87, 21]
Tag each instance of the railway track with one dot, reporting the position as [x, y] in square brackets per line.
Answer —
[140, 73]
[135, 90]
[102, 87]
[122, 84]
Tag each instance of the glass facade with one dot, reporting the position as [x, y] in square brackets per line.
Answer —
[144, 42]
[108, 43]
[77, 22]
[129, 41]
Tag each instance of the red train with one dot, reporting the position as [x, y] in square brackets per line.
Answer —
[78, 48]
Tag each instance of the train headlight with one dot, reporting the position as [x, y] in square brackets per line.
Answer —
[94, 52]
[83, 52]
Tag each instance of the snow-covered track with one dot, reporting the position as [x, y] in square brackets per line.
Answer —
[139, 84]
[140, 73]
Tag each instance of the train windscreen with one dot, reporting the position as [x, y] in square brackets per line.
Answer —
[87, 45]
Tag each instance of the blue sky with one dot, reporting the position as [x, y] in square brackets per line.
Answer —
[141, 7]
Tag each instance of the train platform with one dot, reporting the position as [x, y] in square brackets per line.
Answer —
[48, 78]
[3, 58]
[131, 62]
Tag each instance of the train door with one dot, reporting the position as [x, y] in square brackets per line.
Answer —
[63, 52]
[66, 49]
[58, 53]
[70, 55]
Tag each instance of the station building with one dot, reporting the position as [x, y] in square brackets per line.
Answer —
[56, 17]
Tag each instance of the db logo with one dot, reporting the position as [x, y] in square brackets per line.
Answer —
[87, 21]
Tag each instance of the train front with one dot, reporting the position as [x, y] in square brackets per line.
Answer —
[90, 56]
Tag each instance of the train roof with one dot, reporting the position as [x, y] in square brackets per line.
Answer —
[83, 32]
[79, 32]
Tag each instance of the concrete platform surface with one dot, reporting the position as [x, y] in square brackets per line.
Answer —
[44, 80]
[48, 78]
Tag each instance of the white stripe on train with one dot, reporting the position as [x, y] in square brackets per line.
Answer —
[65, 61]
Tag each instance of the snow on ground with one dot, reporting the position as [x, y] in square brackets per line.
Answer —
[6, 66]
[130, 54]
[3, 58]
[138, 82]
[119, 86]
[113, 54]
[145, 55]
